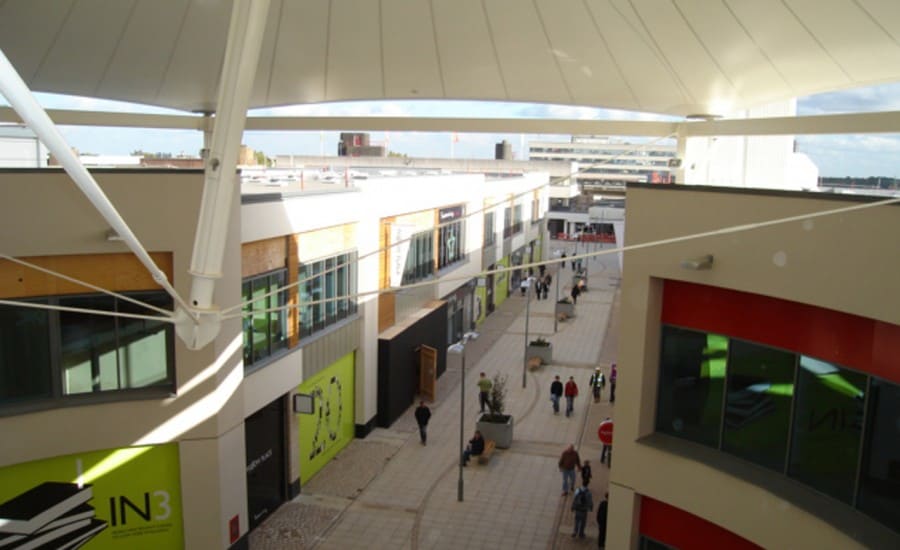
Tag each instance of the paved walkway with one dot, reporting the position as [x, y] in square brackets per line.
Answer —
[388, 491]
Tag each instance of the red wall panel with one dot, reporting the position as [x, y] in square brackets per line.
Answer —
[848, 340]
[680, 529]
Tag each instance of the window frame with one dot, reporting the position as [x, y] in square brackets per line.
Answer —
[57, 397]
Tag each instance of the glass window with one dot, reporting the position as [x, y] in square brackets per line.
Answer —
[265, 320]
[758, 403]
[330, 291]
[691, 384]
[489, 235]
[24, 353]
[144, 345]
[247, 324]
[332, 283]
[827, 424]
[879, 482]
[343, 288]
[305, 284]
[47, 354]
[450, 244]
[88, 345]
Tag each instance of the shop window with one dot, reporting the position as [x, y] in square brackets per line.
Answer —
[827, 427]
[879, 480]
[87, 353]
[451, 244]
[758, 403]
[420, 257]
[327, 292]
[264, 315]
[691, 385]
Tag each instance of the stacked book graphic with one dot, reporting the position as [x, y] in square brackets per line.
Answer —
[50, 515]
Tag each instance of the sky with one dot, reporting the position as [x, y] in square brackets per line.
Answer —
[835, 155]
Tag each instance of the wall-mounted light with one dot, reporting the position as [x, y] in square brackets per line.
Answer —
[112, 236]
[698, 263]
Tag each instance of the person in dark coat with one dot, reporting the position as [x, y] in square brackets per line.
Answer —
[475, 448]
[423, 415]
[556, 391]
[575, 293]
[602, 509]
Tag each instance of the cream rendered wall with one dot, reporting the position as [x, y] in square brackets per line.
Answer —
[846, 262]
[44, 214]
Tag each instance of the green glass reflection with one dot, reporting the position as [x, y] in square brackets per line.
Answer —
[827, 427]
[693, 365]
[758, 404]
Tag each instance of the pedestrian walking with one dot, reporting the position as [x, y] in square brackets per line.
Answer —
[571, 392]
[484, 392]
[556, 391]
[423, 415]
[547, 280]
[575, 293]
[586, 474]
[602, 510]
[606, 451]
[582, 503]
[597, 382]
[569, 461]
[613, 374]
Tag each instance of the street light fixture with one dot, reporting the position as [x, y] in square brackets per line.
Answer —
[459, 348]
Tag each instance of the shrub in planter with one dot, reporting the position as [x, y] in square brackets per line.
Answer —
[496, 425]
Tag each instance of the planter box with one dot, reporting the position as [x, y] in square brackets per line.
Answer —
[566, 308]
[500, 433]
[544, 352]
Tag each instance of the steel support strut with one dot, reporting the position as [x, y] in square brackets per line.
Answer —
[245, 36]
[23, 102]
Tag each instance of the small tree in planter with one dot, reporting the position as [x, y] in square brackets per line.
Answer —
[497, 425]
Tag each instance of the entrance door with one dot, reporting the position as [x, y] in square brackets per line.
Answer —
[264, 442]
[428, 372]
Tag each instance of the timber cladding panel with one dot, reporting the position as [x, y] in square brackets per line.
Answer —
[117, 272]
[321, 243]
[262, 256]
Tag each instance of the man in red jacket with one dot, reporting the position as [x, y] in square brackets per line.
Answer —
[571, 392]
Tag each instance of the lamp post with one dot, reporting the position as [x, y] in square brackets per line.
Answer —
[459, 348]
[527, 316]
[556, 300]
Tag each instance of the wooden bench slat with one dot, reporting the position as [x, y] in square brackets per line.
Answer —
[489, 447]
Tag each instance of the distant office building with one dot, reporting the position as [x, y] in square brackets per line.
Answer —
[356, 144]
[606, 163]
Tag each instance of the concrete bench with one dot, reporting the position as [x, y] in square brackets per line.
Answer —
[489, 447]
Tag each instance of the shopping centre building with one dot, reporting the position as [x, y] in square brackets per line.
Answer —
[758, 376]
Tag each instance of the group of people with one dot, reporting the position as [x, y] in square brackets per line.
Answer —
[570, 391]
[541, 285]
[582, 498]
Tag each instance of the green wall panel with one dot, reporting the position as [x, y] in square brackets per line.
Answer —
[117, 498]
[330, 428]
